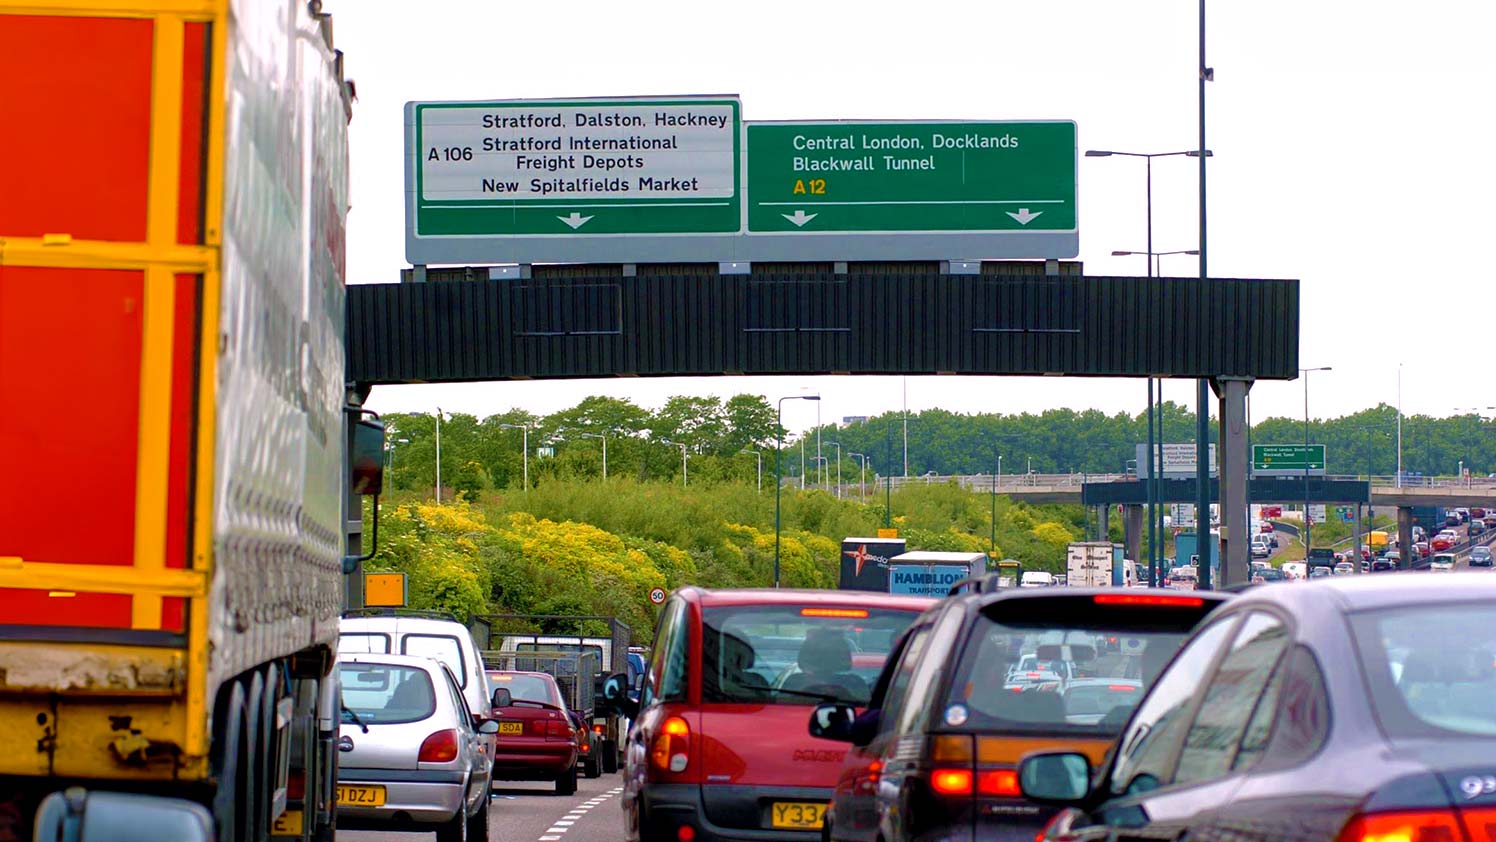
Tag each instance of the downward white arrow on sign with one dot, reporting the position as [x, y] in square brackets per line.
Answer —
[576, 220]
[1023, 216]
[799, 217]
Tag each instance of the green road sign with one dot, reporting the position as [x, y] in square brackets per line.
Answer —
[818, 177]
[575, 167]
[1288, 458]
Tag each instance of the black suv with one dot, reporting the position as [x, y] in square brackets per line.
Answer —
[982, 679]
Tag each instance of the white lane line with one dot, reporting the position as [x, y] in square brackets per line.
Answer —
[556, 830]
[549, 838]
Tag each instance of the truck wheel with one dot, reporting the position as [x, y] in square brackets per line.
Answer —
[609, 757]
[566, 782]
[228, 744]
[592, 767]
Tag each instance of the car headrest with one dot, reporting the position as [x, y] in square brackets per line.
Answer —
[825, 652]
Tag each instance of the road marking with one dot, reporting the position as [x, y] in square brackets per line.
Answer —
[556, 830]
[549, 838]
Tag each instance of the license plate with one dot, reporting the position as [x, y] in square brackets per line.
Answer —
[797, 815]
[289, 824]
[511, 727]
[361, 796]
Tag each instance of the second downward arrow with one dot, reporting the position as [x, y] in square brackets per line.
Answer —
[799, 217]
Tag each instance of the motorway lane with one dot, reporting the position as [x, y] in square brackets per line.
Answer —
[532, 812]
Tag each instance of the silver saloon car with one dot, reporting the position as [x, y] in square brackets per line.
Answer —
[411, 759]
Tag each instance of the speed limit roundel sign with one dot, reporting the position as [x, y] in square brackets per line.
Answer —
[657, 596]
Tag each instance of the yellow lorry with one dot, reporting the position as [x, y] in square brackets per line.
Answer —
[172, 403]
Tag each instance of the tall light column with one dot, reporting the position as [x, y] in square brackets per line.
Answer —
[779, 447]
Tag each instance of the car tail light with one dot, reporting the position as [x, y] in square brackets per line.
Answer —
[440, 747]
[1149, 600]
[843, 613]
[558, 729]
[296, 785]
[671, 751]
[1480, 825]
[597, 729]
[999, 782]
[1407, 826]
[951, 781]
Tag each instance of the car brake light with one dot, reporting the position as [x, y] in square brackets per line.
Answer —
[998, 782]
[1407, 826]
[1122, 688]
[845, 613]
[440, 747]
[558, 728]
[1033, 675]
[1151, 600]
[597, 729]
[951, 781]
[671, 749]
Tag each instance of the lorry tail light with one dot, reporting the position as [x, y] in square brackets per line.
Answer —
[597, 729]
[296, 784]
[440, 747]
[671, 750]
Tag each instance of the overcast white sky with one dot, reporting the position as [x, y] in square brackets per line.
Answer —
[1352, 144]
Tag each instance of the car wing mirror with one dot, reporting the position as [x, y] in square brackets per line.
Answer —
[488, 726]
[615, 695]
[832, 721]
[1055, 777]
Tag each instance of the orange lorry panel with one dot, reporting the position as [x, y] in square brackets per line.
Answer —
[70, 344]
[194, 133]
[75, 148]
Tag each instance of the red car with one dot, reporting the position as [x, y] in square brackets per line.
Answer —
[719, 750]
[1441, 543]
[537, 738]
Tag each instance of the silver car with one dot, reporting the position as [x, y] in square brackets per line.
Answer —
[411, 757]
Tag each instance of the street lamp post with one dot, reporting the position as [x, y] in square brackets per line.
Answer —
[1155, 511]
[524, 447]
[837, 445]
[604, 436]
[439, 455]
[760, 455]
[1155, 258]
[861, 472]
[779, 447]
[682, 459]
[1308, 521]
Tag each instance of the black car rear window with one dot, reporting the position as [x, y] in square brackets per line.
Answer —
[1431, 668]
[1068, 665]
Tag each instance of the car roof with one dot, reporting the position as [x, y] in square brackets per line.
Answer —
[428, 664]
[785, 596]
[1366, 593]
[545, 675]
[404, 625]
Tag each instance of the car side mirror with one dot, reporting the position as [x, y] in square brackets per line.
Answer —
[502, 698]
[489, 726]
[1055, 777]
[615, 693]
[832, 721]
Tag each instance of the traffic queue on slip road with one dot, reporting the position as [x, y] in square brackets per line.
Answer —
[1349, 709]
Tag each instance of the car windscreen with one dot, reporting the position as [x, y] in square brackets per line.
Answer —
[526, 688]
[1431, 668]
[795, 655]
[385, 694]
[1099, 659]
